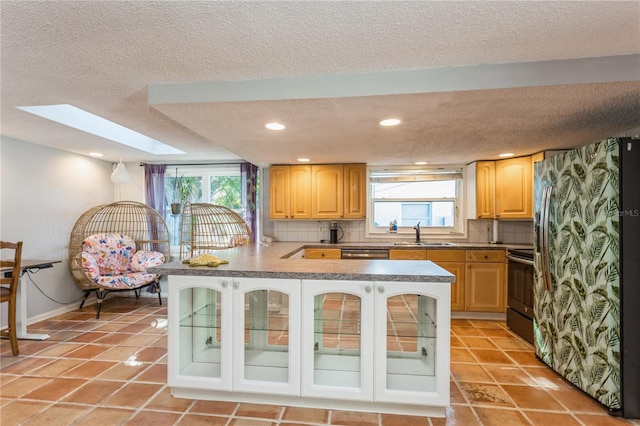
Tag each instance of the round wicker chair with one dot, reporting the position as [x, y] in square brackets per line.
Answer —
[209, 227]
[144, 225]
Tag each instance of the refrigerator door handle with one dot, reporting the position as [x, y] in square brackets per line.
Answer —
[544, 225]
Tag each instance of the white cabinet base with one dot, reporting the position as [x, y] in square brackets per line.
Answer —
[308, 402]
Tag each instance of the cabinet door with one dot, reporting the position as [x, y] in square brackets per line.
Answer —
[457, 287]
[514, 189]
[327, 191]
[312, 253]
[355, 191]
[485, 189]
[337, 346]
[300, 192]
[266, 331]
[412, 322]
[279, 192]
[485, 287]
[407, 254]
[199, 341]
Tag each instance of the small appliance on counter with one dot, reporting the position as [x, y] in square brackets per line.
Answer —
[334, 227]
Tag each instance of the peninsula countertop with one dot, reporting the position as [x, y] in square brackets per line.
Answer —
[271, 261]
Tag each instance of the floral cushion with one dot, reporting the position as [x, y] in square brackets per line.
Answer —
[111, 260]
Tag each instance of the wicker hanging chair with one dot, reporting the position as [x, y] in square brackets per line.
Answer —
[138, 221]
[208, 227]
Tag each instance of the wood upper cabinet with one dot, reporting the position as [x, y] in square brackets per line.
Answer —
[279, 192]
[485, 281]
[327, 191]
[299, 194]
[514, 188]
[485, 189]
[355, 191]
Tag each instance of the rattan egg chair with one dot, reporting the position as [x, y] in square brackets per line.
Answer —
[209, 227]
[143, 224]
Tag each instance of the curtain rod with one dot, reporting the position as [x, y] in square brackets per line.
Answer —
[192, 164]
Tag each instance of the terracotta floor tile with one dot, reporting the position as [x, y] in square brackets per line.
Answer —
[457, 415]
[164, 401]
[530, 397]
[456, 397]
[470, 373]
[459, 322]
[461, 355]
[221, 408]
[21, 386]
[55, 389]
[488, 324]
[59, 349]
[58, 367]
[90, 369]
[150, 354]
[401, 420]
[261, 411]
[466, 331]
[59, 414]
[32, 347]
[541, 418]
[202, 420]
[455, 342]
[354, 418]
[140, 340]
[89, 336]
[135, 328]
[88, 351]
[94, 392]
[496, 332]
[524, 358]
[510, 374]
[153, 418]
[123, 371]
[246, 422]
[104, 416]
[577, 401]
[310, 415]
[133, 395]
[507, 343]
[24, 365]
[485, 394]
[113, 339]
[546, 377]
[16, 412]
[477, 342]
[118, 353]
[603, 420]
[487, 356]
[157, 373]
[500, 417]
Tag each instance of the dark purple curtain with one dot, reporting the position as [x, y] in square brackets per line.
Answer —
[154, 187]
[249, 173]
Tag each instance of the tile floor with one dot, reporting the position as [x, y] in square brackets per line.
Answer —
[112, 371]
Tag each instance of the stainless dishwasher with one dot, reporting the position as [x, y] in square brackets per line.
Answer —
[347, 253]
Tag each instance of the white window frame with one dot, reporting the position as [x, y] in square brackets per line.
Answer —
[458, 231]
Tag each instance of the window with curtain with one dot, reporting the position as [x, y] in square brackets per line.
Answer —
[408, 196]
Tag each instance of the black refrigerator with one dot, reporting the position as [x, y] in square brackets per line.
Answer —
[587, 270]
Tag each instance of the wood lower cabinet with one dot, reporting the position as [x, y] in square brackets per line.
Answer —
[485, 281]
[454, 262]
[312, 253]
[407, 254]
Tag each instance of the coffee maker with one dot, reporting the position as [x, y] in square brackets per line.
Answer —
[333, 232]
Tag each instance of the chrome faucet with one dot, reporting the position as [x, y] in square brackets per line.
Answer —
[417, 228]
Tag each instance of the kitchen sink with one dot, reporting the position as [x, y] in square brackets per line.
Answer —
[425, 244]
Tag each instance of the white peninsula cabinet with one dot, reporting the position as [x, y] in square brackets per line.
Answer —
[348, 345]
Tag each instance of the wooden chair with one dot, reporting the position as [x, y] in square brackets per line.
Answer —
[9, 289]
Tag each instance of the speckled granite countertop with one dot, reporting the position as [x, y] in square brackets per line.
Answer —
[270, 261]
[267, 261]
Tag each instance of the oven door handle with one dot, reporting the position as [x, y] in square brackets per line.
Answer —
[520, 260]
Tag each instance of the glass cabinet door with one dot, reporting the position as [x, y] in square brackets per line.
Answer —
[409, 335]
[266, 329]
[338, 339]
[199, 342]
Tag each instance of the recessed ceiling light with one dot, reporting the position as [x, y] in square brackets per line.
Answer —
[85, 121]
[304, 160]
[274, 126]
[96, 154]
[390, 122]
[506, 154]
[420, 163]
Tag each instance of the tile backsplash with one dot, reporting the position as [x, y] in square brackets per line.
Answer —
[478, 231]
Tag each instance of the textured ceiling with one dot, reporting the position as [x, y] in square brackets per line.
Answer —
[468, 79]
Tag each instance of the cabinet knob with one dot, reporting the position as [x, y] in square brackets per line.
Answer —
[236, 284]
[380, 289]
[367, 288]
[225, 283]
[486, 257]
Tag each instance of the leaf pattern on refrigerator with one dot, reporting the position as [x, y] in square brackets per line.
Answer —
[577, 325]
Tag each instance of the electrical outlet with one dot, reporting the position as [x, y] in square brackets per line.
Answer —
[320, 230]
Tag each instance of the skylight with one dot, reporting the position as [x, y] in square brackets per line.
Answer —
[85, 121]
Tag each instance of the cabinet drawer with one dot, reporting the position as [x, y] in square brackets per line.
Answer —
[446, 255]
[485, 255]
[406, 254]
[322, 253]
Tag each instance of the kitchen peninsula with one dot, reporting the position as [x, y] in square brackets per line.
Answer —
[367, 335]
